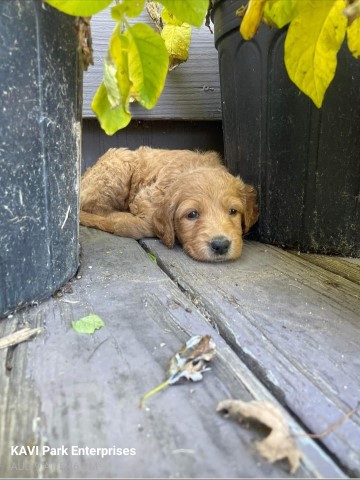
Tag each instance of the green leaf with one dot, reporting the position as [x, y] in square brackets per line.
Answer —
[152, 257]
[188, 11]
[311, 46]
[88, 324]
[148, 64]
[111, 119]
[280, 12]
[111, 102]
[118, 51]
[130, 8]
[111, 83]
[169, 18]
[82, 8]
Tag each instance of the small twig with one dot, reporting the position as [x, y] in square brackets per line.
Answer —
[208, 16]
[18, 337]
[153, 9]
[331, 427]
[96, 349]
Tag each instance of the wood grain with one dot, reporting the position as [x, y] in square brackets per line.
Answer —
[65, 388]
[294, 324]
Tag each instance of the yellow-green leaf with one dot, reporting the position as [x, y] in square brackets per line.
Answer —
[311, 46]
[111, 102]
[111, 119]
[148, 64]
[177, 41]
[118, 51]
[170, 18]
[82, 8]
[152, 257]
[111, 83]
[252, 18]
[188, 11]
[88, 324]
[353, 37]
[130, 8]
[281, 12]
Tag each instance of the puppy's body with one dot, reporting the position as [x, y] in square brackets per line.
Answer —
[169, 194]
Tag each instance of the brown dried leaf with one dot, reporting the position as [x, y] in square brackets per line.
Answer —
[278, 444]
[189, 362]
[192, 359]
[83, 28]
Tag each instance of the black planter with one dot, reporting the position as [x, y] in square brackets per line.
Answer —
[304, 161]
[39, 151]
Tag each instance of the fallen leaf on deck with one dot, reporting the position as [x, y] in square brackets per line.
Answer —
[152, 257]
[192, 359]
[190, 362]
[88, 324]
[18, 337]
[278, 444]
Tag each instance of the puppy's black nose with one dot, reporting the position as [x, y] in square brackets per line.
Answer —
[220, 245]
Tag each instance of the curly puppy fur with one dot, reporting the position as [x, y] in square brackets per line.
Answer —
[170, 194]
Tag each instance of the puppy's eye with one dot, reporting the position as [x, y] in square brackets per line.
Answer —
[233, 211]
[192, 215]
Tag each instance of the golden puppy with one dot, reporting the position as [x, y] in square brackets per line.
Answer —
[170, 194]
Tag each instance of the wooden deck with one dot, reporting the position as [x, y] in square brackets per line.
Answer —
[287, 329]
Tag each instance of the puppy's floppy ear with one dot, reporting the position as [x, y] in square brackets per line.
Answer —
[248, 196]
[163, 222]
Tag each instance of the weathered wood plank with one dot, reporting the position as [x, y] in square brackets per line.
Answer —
[69, 389]
[294, 324]
[345, 267]
[192, 90]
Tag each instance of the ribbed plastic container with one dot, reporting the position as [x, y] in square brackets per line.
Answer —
[304, 161]
[39, 151]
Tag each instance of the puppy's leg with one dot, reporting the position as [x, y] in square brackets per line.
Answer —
[105, 187]
[124, 224]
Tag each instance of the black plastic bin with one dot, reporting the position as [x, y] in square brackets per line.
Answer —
[304, 161]
[39, 151]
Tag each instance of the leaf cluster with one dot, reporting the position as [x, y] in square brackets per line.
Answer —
[138, 58]
[317, 29]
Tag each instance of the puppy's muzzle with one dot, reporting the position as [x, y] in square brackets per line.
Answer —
[220, 245]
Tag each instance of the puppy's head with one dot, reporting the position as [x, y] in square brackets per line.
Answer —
[207, 210]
